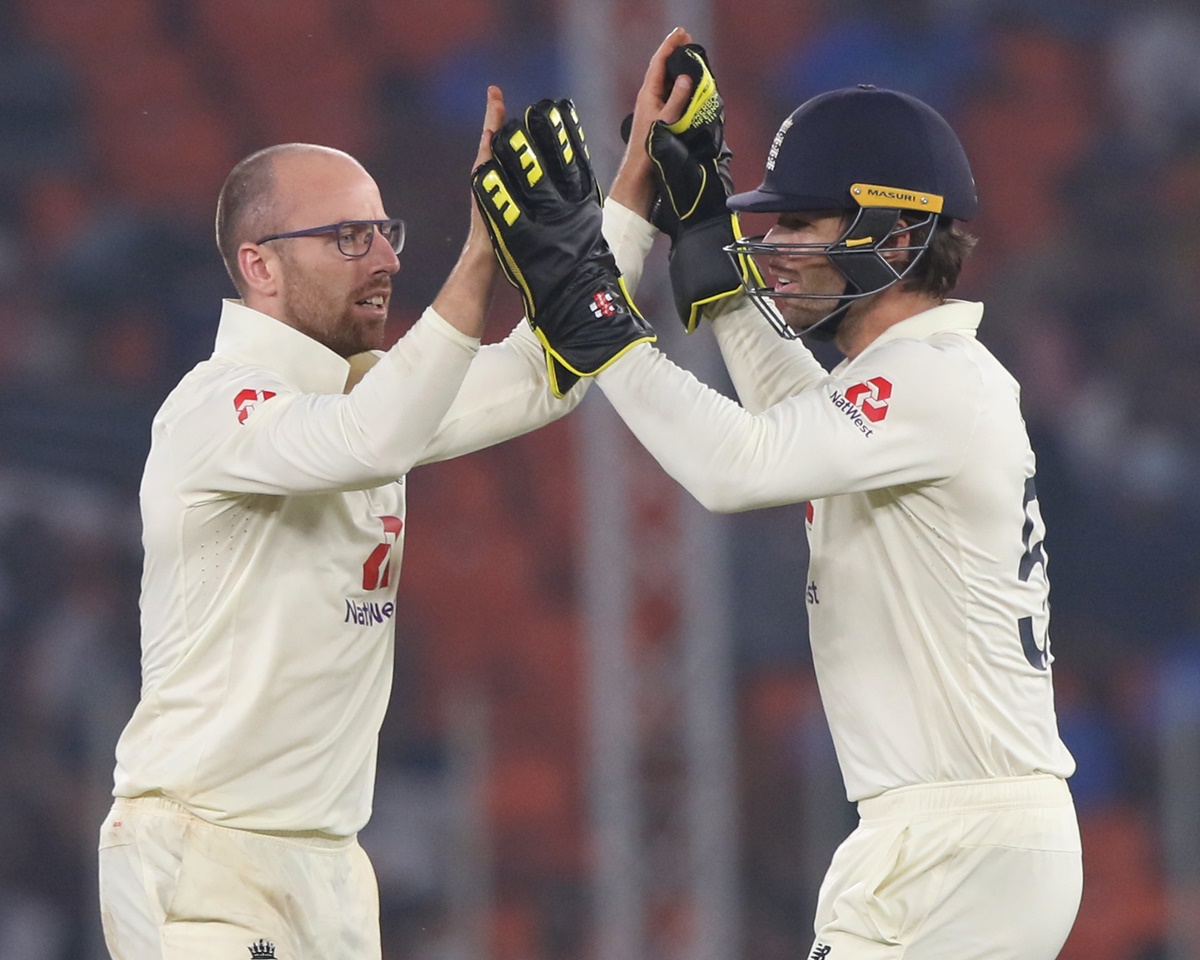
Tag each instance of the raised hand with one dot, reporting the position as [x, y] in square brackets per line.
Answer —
[541, 205]
[691, 168]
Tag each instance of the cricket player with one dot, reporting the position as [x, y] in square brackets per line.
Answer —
[927, 591]
[273, 507]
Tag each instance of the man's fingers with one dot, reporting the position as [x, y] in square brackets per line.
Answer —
[653, 95]
[677, 102]
[654, 84]
[656, 73]
[494, 115]
[633, 186]
[493, 119]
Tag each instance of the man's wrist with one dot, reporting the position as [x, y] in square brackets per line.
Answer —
[633, 186]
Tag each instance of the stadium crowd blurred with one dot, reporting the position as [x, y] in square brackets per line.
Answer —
[118, 122]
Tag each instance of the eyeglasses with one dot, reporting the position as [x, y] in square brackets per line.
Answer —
[354, 237]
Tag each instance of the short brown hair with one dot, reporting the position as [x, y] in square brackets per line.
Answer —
[936, 271]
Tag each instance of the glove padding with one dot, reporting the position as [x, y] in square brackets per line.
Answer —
[542, 207]
[691, 167]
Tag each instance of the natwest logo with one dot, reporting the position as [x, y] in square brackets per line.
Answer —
[376, 575]
[365, 612]
[245, 402]
[871, 397]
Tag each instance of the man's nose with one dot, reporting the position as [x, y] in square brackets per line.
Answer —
[384, 258]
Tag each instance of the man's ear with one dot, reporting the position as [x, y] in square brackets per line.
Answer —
[259, 269]
[900, 239]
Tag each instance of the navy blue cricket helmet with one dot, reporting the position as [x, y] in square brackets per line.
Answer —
[878, 154]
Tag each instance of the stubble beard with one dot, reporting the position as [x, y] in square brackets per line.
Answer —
[317, 313]
[800, 315]
[803, 314]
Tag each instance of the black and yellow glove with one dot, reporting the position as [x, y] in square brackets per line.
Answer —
[691, 166]
[542, 206]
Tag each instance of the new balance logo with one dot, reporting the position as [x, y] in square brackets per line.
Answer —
[820, 951]
[377, 567]
[262, 950]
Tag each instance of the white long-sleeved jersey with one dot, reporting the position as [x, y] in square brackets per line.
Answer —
[273, 525]
[927, 590]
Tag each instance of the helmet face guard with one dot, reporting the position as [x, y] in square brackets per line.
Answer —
[890, 161]
[858, 254]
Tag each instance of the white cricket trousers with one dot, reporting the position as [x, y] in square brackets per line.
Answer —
[982, 870]
[176, 887]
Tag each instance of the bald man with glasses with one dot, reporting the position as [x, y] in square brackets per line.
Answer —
[273, 509]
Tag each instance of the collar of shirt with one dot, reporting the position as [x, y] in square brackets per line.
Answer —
[248, 336]
[962, 316]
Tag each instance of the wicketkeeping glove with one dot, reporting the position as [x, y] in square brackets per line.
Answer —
[691, 165]
[542, 206]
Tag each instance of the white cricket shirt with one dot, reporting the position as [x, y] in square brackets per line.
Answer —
[273, 517]
[927, 590]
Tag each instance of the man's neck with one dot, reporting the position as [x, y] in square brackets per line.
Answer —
[884, 310]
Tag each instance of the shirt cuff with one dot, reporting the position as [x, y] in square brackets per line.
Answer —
[433, 320]
[629, 235]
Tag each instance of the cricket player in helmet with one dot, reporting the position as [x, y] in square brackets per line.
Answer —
[927, 592]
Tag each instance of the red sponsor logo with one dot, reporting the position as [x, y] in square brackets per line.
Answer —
[378, 566]
[871, 397]
[245, 402]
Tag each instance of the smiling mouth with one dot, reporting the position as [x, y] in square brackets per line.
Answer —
[376, 301]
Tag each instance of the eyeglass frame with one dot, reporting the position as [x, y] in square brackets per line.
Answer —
[336, 230]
